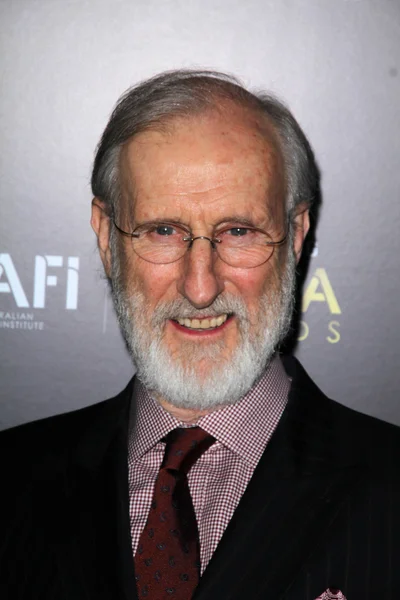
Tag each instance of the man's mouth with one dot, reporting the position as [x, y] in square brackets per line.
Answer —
[206, 323]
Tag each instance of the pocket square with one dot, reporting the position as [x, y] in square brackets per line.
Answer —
[331, 594]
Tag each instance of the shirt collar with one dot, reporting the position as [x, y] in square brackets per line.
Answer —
[245, 427]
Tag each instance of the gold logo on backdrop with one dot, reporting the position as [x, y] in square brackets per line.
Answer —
[319, 289]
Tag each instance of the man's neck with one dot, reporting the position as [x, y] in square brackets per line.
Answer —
[185, 415]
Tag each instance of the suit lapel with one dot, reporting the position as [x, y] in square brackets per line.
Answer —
[302, 480]
[90, 527]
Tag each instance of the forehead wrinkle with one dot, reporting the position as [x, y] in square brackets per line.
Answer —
[209, 176]
[197, 202]
[195, 182]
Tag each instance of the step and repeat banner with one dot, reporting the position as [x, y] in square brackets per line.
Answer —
[64, 63]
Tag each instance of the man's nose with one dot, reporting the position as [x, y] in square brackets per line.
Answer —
[200, 282]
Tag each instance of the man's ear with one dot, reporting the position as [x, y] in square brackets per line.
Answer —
[100, 222]
[301, 227]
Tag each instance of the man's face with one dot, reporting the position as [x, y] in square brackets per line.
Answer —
[205, 173]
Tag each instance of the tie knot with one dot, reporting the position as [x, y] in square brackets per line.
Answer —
[184, 446]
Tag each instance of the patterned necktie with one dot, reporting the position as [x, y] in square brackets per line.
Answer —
[167, 561]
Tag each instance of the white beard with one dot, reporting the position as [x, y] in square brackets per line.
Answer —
[227, 379]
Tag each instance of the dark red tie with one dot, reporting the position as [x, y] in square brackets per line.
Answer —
[167, 560]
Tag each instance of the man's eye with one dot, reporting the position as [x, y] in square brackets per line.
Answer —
[165, 230]
[238, 231]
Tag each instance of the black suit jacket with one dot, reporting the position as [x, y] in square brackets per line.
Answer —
[322, 509]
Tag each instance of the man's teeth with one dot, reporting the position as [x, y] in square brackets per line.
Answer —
[203, 323]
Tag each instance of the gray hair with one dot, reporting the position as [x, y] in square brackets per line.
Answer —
[185, 93]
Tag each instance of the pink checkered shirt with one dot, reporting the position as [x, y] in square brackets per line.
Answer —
[220, 476]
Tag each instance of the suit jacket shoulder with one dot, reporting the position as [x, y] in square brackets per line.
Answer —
[60, 486]
[367, 436]
[44, 448]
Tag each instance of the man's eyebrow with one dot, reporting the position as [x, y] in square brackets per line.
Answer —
[236, 219]
[264, 221]
[161, 220]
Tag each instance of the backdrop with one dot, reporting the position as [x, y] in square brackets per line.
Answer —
[63, 65]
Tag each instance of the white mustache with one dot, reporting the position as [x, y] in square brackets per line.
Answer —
[181, 308]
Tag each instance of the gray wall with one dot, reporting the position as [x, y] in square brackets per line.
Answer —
[63, 65]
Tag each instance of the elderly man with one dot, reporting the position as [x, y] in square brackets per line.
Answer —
[221, 471]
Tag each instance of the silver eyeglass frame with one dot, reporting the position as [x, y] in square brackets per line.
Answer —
[213, 241]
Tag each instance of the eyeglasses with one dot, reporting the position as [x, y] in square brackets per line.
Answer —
[164, 243]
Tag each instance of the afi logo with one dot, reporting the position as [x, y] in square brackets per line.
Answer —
[10, 282]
